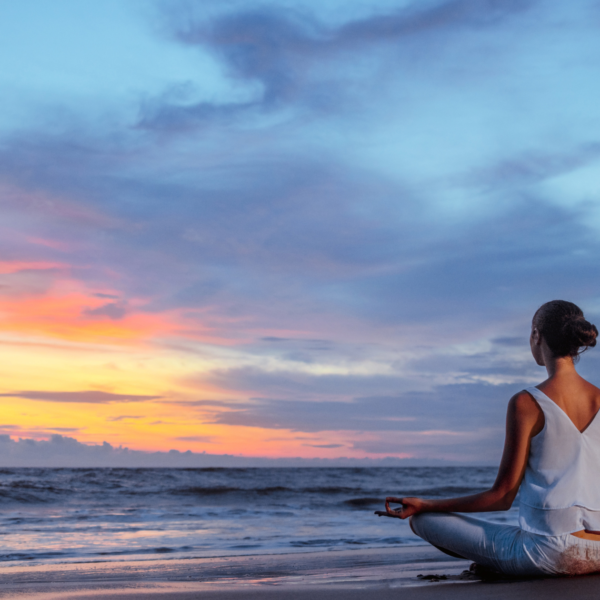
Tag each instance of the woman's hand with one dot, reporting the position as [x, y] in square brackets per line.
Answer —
[410, 507]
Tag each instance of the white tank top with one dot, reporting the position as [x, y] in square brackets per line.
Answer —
[560, 492]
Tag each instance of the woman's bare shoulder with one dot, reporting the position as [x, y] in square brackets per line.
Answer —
[523, 405]
[525, 414]
[592, 392]
[591, 388]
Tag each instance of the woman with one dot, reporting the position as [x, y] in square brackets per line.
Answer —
[551, 452]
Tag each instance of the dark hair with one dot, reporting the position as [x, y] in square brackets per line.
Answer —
[564, 328]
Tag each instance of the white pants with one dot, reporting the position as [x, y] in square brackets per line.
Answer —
[507, 548]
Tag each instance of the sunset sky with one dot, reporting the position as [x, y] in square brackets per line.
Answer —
[296, 228]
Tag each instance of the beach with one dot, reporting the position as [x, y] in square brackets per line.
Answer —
[419, 572]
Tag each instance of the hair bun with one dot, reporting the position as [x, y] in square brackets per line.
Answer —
[564, 328]
[583, 332]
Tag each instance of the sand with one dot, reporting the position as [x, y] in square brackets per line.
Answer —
[339, 575]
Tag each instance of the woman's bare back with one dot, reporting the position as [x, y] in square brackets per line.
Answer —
[580, 401]
[578, 398]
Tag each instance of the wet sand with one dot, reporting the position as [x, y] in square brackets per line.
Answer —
[338, 575]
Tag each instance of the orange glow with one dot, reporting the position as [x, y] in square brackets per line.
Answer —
[59, 336]
[63, 316]
[67, 312]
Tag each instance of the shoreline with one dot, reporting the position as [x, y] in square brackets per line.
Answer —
[152, 557]
[322, 575]
[395, 567]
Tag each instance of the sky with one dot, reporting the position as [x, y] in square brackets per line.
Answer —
[301, 228]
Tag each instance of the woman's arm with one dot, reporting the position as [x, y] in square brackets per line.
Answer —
[524, 419]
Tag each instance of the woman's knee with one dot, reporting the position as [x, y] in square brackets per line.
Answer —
[410, 522]
[434, 528]
[429, 526]
[416, 522]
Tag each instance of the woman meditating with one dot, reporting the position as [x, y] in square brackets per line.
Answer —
[551, 452]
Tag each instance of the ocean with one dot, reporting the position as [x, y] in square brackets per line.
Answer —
[74, 515]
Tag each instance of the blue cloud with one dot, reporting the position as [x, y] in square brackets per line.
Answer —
[284, 50]
[112, 310]
[89, 396]
[320, 403]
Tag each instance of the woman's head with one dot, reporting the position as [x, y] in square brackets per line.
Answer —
[564, 328]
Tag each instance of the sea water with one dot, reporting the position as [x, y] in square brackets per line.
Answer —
[65, 515]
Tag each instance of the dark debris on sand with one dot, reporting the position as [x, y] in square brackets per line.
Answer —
[474, 573]
[432, 577]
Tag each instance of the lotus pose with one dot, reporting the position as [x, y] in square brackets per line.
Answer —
[551, 453]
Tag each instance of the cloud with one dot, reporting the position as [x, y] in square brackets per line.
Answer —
[534, 167]
[285, 51]
[43, 430]
[417, 367]
[458, 407]
[60, 451]
[324, 445]
[123, 418]
[112, 310]
[64, 429]
[485, 443]
[203, 403]
[514, 341]
[90, 396]
[208, 439]
[44, 345]
[286, 383]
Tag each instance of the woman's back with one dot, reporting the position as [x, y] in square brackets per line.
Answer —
[576, 397]
[560, 493]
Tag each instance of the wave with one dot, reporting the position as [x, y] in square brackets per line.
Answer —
[439, 492]
[326, 490]
[21, 498]
[103, 486]
[362, 502]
